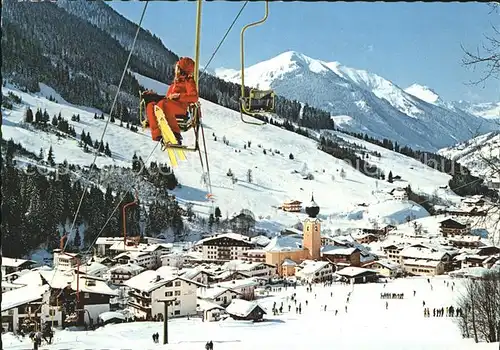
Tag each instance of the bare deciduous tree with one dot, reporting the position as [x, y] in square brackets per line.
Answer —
[480, 304]
[488, 55]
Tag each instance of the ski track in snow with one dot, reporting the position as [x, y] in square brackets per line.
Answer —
[273, 177]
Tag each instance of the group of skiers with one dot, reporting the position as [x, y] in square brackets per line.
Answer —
[392, 295]
[448, 311]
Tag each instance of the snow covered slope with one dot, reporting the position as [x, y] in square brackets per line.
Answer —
[488, 110]
[275, 177]
[366, 324]
[424, 93]
[477, 154]
[375, 105]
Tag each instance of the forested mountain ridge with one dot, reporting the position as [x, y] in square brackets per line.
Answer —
[80, 49]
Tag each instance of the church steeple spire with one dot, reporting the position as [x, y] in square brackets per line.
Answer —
[312, 209]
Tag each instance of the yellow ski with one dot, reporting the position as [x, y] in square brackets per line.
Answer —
[168, 137]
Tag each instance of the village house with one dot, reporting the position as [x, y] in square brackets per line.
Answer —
[292, 206]
[75, 299]
[121, 273]
[393, 251]
[197, 274]
[339, 255]
[92, 268]
[385, 267]
[103, 245]
[65, 261]
[176, 259]
[217, 295]
[473, 201]
[399, 194]
[254, 255]
[10, 265]
[314, 271]
[424, 261]
[251, 269]
[245, 287]
[260, 241]
[245, 310]
[465, 241]
[144, 259]
[366, 238]
[358, 274]
[209, 311]
[150, 287]
[22, 306]
[227, 246]
[450, 227]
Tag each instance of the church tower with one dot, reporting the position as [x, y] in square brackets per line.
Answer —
[312, 231]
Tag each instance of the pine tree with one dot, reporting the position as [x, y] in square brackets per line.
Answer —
[107, 151]
[211, 220]
[390, 178]
[28, 116]
[50, 157]
[40, 154]
[218, 214]
[249, 175]
[54, 120]
[38, 116]
[77, 241]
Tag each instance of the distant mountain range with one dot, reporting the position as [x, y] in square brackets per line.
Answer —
[365, 102]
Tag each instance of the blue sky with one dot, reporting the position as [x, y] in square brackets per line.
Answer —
[404, 42]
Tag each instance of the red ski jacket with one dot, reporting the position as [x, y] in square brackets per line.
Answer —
[186, 88]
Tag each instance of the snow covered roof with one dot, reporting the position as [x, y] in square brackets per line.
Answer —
[150, 280]
[192, 272]
[205, 305]
[130, 267]
[108, 240]
[21, 296]
[288, 262]
[157, 246]
[235, 284]
[212, 292]
[389, 264]
[132, 254]
[90, 284]
[336, 250]
[15, 262]
[241, 265]
[109, 315]
[58, 279]
[475, 272]
[353, 271]
[92, 268]
[310, 267]
[422, 262]
[284, 243]
[467, 238]
[422, 253]
[231, 235]
[242, 308]
[260, 240]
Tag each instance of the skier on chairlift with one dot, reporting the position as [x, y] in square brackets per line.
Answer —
[175, 103]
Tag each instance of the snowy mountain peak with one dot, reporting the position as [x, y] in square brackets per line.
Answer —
[424, 93]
